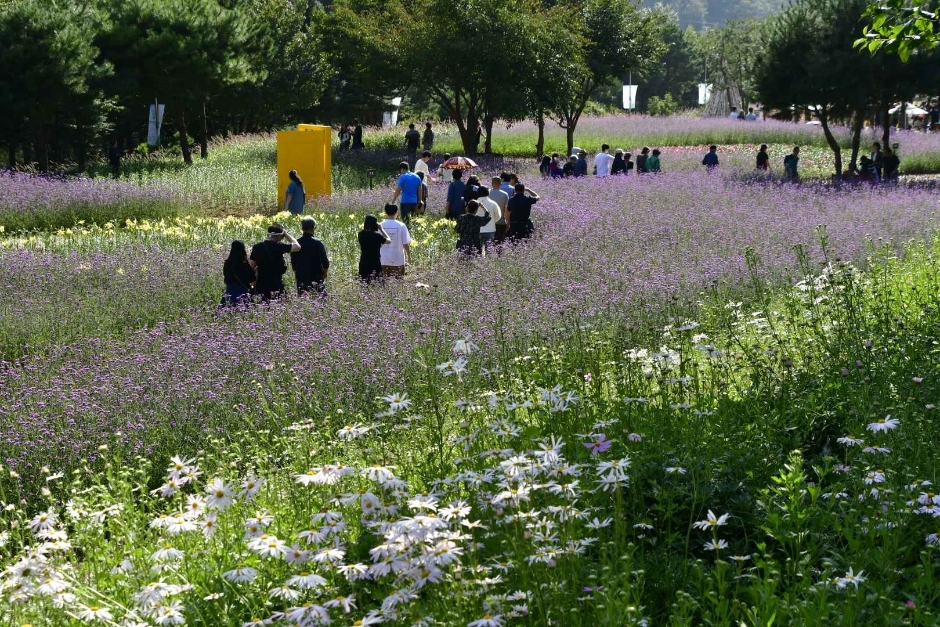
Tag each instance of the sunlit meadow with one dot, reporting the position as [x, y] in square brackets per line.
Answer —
[691, 399]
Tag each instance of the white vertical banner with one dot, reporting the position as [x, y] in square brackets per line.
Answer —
[704, 93]
[390, 118]
[154, 125]
[629, 96]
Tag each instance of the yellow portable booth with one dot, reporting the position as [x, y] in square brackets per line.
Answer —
[306, 150]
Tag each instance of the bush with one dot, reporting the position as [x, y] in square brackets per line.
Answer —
[662, 106]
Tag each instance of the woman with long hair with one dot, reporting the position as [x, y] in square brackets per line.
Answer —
[238, 276]
[295, 198]
[371, 239]
[470, 191]
[545, 167]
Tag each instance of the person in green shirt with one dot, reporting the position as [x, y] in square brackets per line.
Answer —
[652, 162]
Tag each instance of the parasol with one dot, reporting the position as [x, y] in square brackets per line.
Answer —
[459, 163]
[909, 110]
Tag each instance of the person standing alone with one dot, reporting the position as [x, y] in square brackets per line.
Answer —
[412, 140]
[310, 263]
[409, 188]
[295, 197]
[267, 260]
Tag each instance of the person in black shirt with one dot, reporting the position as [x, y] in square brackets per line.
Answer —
[619, 166]
[114, 158]
[641, 161]
[468, 229]
[892, 165]
[238, 276]
[371, 239]
[412, 140]
[520, 212]
[357, 136]
[311, 262]
[763, 159]
[934, 115]
[267, 259]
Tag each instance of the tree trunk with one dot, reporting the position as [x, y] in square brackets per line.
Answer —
[569, 135]
[885, 123]
[540, 142]
[831, 140]
[81, 147]
[42, 149]
[181, 129]
[204, 141]
[857, 125]
[488, 129]
[11, 154]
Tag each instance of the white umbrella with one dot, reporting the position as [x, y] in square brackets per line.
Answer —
[909, 110]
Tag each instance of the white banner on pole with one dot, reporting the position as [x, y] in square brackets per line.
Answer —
[704, 93]
[153, 128]
[390, 118]
[629, 96]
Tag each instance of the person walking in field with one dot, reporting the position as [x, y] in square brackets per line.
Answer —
[641, 167]
[763, 159]
[398, 251]
[412, 140]
[791, 165]
[618, 166]
[421, 165]
[409, 189]
[295, 197]
[488, 230]
[710, 161]
[311, 262]
[357, 136]
[501, 199]
[468, 229]
[580, 166]
[427, 139]
[455, 191]
[877, 160]
[372, 238]
[520, 212]
[652, 162]
[603, 161]
[267, 260]
[345, 137]
[238, 275]
[892, 166]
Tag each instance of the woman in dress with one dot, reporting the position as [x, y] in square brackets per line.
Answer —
[371, 239]
[295, 197]
[238, 276]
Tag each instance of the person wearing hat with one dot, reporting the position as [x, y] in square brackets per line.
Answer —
[267, 260]
[580, 167]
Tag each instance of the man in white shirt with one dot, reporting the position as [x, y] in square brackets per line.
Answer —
[422, 166]
[398, 249]
[501, 198]
[488, 230]
[603, 161]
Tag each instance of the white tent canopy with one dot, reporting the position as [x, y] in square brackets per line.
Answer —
[908, 110]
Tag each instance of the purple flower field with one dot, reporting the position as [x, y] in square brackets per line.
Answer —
[607, 251]
[28, 201]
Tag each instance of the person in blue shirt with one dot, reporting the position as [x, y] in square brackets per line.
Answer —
[711, 158]
[580, 167]
[455, 192]
[409, 188]
[295, 197]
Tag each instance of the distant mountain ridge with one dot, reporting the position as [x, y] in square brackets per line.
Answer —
[702, 14]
